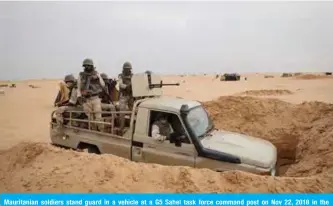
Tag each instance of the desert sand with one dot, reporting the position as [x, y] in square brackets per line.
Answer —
[295, 113]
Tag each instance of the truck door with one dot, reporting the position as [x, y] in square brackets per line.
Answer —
[164, 153]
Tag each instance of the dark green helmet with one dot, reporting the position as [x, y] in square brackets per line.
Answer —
[127, 69]
[104, 76]
[148, 72]
[127, 65]
[69, 78]
[88, 62]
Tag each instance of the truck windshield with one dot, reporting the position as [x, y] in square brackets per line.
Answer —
[199, 121]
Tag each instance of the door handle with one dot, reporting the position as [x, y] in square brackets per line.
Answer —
[138, 151]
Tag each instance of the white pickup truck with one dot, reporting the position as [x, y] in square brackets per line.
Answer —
[195, 141]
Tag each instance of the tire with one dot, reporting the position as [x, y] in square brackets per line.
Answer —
[93, 149]
[88, 148]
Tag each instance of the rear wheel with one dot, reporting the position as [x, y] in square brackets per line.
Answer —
[89, 148]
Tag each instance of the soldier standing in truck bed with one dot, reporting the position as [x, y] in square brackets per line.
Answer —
[125, 91]
[90, 85]
[72, 100]
[105, 96]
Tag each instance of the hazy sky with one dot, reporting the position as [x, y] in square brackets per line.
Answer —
[50, 39]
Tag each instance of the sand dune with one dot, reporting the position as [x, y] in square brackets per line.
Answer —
[312, 76]
[302, 131]
[267, 92]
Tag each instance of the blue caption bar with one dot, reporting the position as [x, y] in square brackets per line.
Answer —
[166, 199]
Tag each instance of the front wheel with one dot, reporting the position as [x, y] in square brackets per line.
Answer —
[93, 149]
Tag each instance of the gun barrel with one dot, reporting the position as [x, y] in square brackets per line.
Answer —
[161, 85]
[177, 84]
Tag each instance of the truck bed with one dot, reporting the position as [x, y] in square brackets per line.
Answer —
[77, 134]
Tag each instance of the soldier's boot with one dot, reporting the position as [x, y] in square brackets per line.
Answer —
[100, 126]
[91, 125]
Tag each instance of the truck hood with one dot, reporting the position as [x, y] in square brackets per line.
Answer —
[250, 150]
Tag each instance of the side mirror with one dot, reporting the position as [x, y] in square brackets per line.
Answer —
[176, 138]
[184, 109]
[178, 143]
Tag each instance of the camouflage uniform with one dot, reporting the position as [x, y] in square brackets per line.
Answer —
[126, 96]
[90, 85]
[105, 96]
[161, 129]
[70, 104]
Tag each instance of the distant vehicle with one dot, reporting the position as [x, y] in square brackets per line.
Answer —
[33, 86]
[194, 143]
[230, 77]
[287, 75]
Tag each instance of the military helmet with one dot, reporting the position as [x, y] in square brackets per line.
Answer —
[104, 76]
[69, 78]
[148, 72]
[88, 62]
[127, 65]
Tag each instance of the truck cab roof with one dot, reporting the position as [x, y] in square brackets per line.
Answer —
[172, 104]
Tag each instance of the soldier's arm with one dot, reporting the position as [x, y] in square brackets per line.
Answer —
[57, 98]
[107, 89]
[79, 86]
[121, 84]
[73, 97]
[101, 81]
[155, 133]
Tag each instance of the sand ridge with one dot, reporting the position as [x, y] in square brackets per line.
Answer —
[312, 76]
[267, 92]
